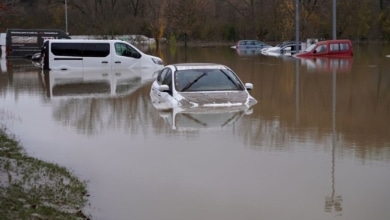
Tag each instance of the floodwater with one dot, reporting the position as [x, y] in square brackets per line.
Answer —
[315, 146]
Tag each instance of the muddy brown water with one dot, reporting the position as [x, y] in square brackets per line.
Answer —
[315, 146]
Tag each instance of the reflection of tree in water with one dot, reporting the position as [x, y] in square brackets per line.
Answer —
[362, 111]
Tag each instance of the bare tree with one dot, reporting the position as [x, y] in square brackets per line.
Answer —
[105, 17]
[202, 19]
[156, 19]
[136, 7]
[184, 16]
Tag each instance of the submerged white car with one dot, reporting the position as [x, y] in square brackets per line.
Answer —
[286, 47]
[191, 85]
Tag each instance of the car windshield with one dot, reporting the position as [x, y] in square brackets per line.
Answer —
[192, 80]
[309, 48]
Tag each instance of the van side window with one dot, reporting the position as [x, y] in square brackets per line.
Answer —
[344, 46]
[24, 39]
[334, 47]
[81, 49]
[96, 49]
[26, 42]
[67, 49]
[126, 51]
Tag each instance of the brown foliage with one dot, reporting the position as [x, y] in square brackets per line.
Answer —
[269, 20]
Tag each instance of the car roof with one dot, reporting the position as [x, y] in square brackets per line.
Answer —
[249, 40]
[186, 66]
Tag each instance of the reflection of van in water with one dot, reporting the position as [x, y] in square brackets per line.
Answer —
[94, 83]
[23, 43]
[95, 54]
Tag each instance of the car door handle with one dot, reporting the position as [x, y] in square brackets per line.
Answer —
[118, 62]
[104, 61]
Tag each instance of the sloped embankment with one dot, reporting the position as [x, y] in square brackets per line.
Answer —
[34, 189]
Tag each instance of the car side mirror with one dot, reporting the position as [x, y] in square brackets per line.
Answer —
[163, 88]
[249, 86]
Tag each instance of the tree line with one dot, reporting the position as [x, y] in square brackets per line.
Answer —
[203, 20]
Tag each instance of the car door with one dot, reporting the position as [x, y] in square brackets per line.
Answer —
[126, 57]
[96, 56]
[164, 98]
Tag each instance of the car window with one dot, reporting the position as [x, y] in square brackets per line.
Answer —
[320, 49]
[167, 80]
[161, 76]
[167, 77]
[125, 50]
[309, 48]
[206, 80]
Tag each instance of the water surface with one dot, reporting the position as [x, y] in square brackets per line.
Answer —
[315, 146]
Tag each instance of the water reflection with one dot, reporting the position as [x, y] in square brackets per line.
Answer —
[20, 77]
[333, 203]
[327, 64]
[94, 82]
[202, 118]
[248, 51]
[95, 101]
[322, 138]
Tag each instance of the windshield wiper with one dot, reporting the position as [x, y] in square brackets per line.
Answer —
[192, 82]
[232, 80]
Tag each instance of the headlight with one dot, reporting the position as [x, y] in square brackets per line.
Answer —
[158, 61]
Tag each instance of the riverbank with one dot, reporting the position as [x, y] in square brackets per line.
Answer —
[34, 189]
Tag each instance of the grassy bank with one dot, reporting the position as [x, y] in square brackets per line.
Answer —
[34, 189]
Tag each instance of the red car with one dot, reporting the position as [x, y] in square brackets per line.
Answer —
[328, 48]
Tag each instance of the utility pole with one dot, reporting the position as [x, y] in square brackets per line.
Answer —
[296, 26]
[66, 16]
[334, 20]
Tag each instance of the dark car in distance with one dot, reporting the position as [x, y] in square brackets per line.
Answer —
[250, 44]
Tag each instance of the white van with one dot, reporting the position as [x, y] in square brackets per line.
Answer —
[61, 54]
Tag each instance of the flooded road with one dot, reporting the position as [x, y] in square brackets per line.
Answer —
[315, 146]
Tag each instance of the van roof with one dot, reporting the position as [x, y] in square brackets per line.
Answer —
[334, 41]
[84, 40]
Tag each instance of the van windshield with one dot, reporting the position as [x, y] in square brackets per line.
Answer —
[122, 49]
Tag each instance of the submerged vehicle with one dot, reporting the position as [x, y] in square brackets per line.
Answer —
[192, 85]
[287, 47]
[250, 44]
[24, 43]
[334, 48]
[95, 54]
